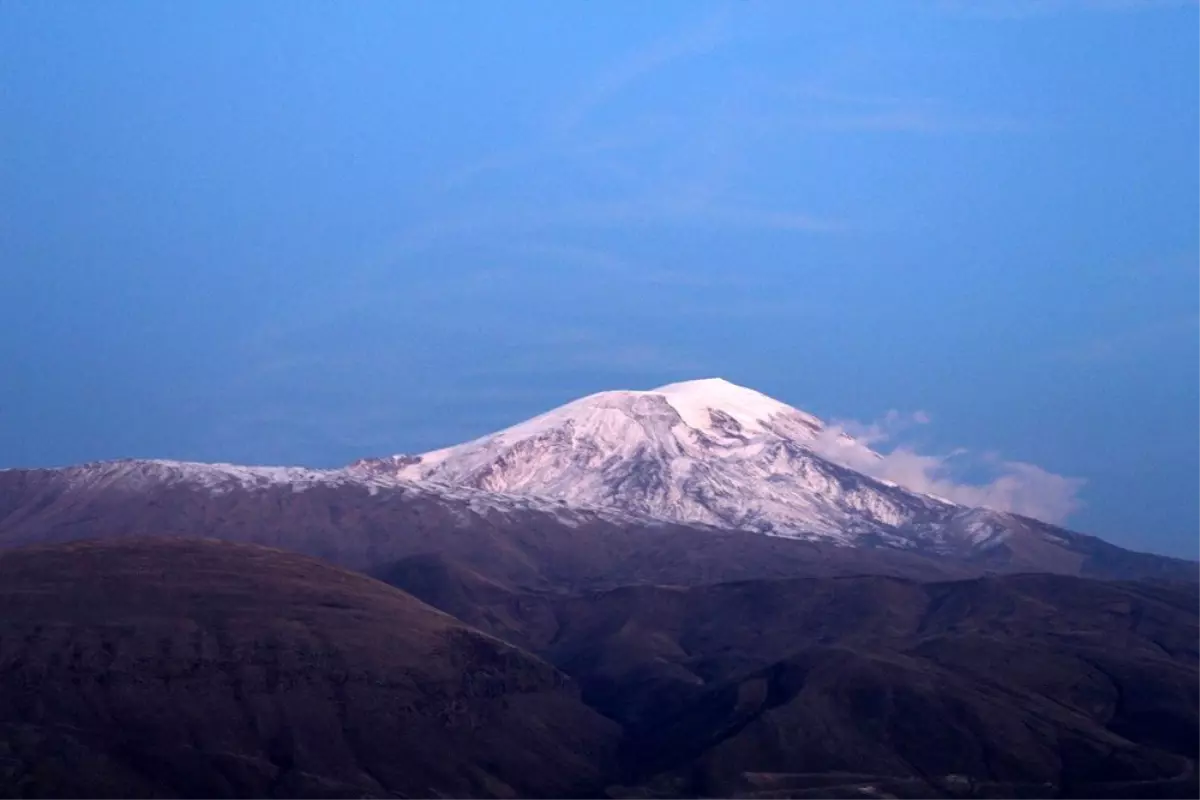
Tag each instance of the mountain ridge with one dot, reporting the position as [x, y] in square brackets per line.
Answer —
[573, 487]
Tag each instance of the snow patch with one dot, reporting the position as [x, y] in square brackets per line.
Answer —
[695, 401]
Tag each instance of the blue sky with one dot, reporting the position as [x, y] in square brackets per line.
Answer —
[302, 232]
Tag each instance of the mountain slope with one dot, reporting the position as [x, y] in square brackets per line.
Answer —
[206, 669]
[168, 667]
[1024, 685]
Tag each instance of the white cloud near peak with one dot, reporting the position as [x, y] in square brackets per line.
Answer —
[1014, 486]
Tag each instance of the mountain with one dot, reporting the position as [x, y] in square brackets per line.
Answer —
[161, 667]
[641, 594]
[616, 487]
[713, 453]
[703, 451]
[367, 524]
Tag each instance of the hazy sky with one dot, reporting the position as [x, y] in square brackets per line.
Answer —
[306, 232]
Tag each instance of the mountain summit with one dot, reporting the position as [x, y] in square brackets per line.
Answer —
[703, 451]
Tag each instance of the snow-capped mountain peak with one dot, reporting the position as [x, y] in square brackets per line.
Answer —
[711, 408]
[702, 451]
[695, 401]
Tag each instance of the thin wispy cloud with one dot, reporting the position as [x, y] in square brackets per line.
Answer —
[1128, 343]
[1014, 486]
[497, 224]
[1029, 9]
[817, 106]
[697, 40]
[916, 121]
[771, 219]
[596, 173]
[1170, 265]
[611, 266]
[542, 151]
[571, 350]
[693, 151]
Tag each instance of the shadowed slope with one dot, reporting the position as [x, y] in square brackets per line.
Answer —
[200, 668]
[1038, 685]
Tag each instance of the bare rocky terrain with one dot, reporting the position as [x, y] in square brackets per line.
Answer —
[177, 667]
[170, 668]
[1030, 685]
